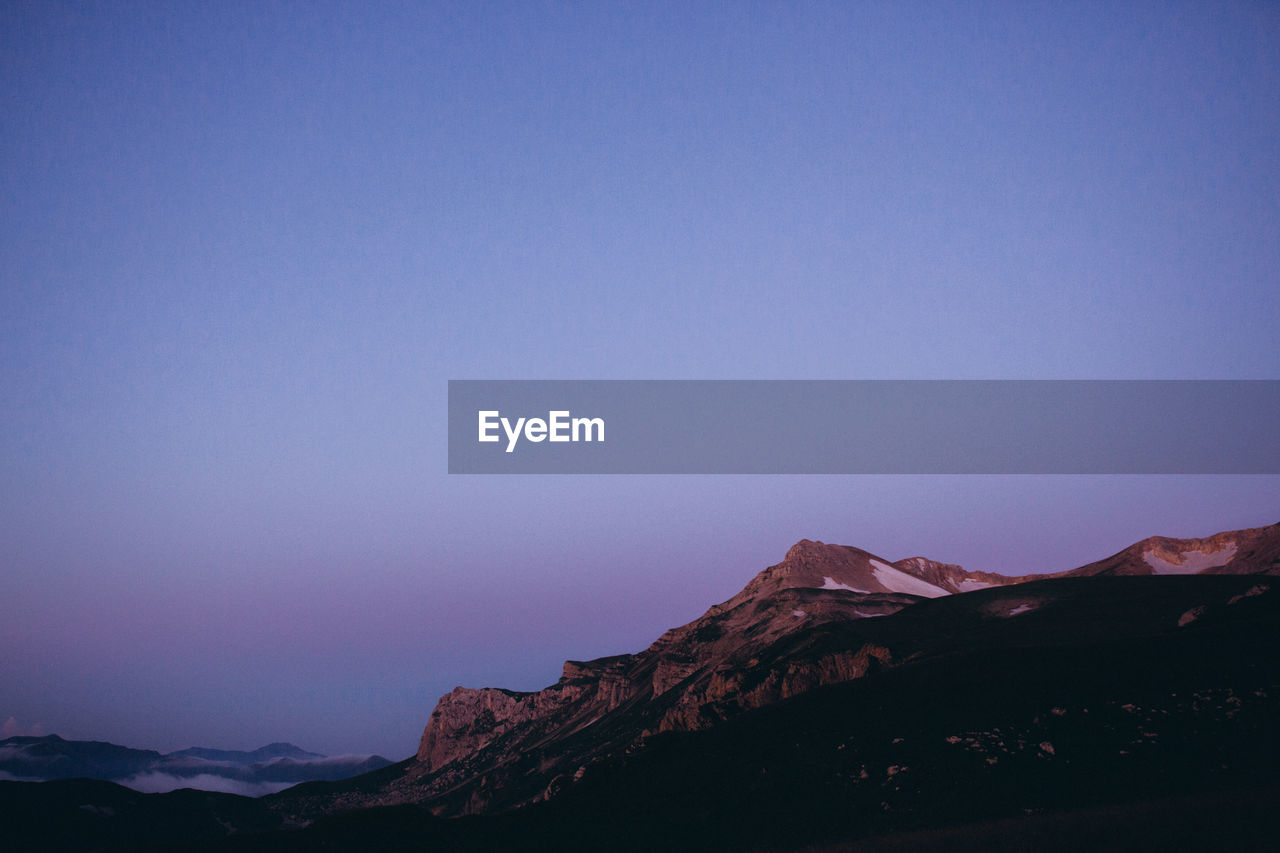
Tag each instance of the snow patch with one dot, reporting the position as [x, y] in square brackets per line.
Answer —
[970, 585]
[895, 580]
[798, 613]
[1021, 608]
[857, 612]
[1189, 562]
[830, 583]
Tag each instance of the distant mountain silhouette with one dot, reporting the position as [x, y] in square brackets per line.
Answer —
[262, 753]
[272, 767]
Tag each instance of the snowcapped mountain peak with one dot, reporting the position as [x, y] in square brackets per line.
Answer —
[816, 565]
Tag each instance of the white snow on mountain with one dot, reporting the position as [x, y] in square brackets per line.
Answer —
[899, 581]
[830, 583]
[1192, 563]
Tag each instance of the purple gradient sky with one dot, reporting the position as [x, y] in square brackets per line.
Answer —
[245, 246]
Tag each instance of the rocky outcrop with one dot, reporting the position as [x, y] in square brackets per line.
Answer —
[951, 577]
[466, 720]
[731, 690]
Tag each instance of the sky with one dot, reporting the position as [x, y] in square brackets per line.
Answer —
[244, 247]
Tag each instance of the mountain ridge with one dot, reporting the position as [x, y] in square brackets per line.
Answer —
[263, 753]
[809, 621]
[1249, 551]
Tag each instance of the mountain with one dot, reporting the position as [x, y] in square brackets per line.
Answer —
[1096, 719]
[839, 702]
[264, 770]
[825, 615]
[1238, 552]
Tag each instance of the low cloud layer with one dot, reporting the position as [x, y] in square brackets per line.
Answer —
[161, 783]
[252, 774]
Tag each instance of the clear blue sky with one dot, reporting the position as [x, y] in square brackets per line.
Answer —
[245, 245]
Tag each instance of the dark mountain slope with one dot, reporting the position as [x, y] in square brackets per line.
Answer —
[1098, 738]
[91, 815]
[825, 614]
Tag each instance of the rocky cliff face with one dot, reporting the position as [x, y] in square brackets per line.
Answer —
[803, 623]
[694, 675]
[729, 660]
